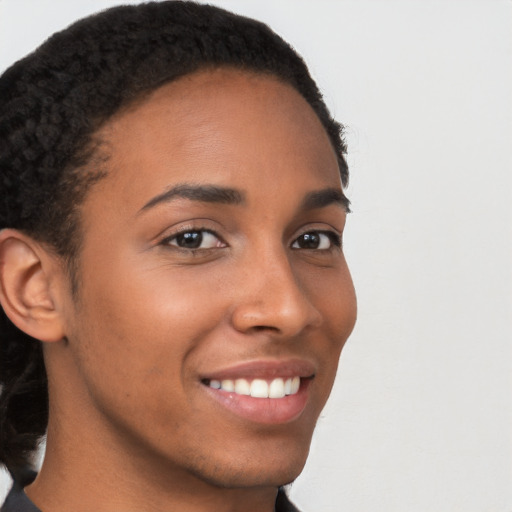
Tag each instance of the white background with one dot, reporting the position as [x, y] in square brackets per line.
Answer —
[421, 415]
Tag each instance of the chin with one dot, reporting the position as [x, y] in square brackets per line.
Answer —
[257, 470]
[264, 477]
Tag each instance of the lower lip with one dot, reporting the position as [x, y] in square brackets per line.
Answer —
[270, 411]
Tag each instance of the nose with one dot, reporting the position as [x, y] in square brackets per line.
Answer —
[271, 298]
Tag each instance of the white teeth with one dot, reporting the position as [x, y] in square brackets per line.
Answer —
[215, 384]
[288, 387]
[227, 385]
[242, 387]
[276, 389]
[259, 388]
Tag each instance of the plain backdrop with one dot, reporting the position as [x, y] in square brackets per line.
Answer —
[421, 414]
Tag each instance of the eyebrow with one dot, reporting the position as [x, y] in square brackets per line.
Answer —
[224, 195]
[325, 197]
[202, 193]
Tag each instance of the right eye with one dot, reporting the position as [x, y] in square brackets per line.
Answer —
[194, 239]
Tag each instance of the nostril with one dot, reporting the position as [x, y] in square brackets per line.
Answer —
[259, 328]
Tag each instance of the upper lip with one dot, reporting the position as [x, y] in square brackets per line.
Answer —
[264, 369]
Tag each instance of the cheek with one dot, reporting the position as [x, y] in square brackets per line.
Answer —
[154, 302]
[333, 294]
[141, 328]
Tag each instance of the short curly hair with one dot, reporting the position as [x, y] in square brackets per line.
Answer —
[53, 102]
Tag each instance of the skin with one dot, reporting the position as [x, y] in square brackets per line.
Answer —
[132, 427]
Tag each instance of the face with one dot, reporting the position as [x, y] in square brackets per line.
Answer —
[214, 297]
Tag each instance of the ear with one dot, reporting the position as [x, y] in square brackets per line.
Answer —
[28, 291]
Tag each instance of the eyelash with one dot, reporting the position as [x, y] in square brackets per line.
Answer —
[333, 238]
[183, 233]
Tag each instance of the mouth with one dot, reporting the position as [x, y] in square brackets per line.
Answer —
[266, 392]
[258, 388]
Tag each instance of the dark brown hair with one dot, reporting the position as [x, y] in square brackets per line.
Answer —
[52, 103]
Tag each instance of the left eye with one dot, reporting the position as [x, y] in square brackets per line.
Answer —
[316, 240]
[194, 239]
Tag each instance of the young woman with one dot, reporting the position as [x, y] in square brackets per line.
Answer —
[174, 292]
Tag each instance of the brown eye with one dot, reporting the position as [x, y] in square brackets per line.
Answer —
[317, 240]
[190, 240]
[194, 239]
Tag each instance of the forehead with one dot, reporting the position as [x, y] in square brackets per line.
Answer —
[224, 126]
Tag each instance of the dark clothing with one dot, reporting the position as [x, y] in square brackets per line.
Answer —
[18, 501]
[283, 504]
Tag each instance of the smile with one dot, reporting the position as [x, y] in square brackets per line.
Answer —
[258, 388]
[264, 392]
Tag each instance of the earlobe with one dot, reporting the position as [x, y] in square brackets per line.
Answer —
[26, 288]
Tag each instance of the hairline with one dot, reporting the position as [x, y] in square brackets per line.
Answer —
[99, 154]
